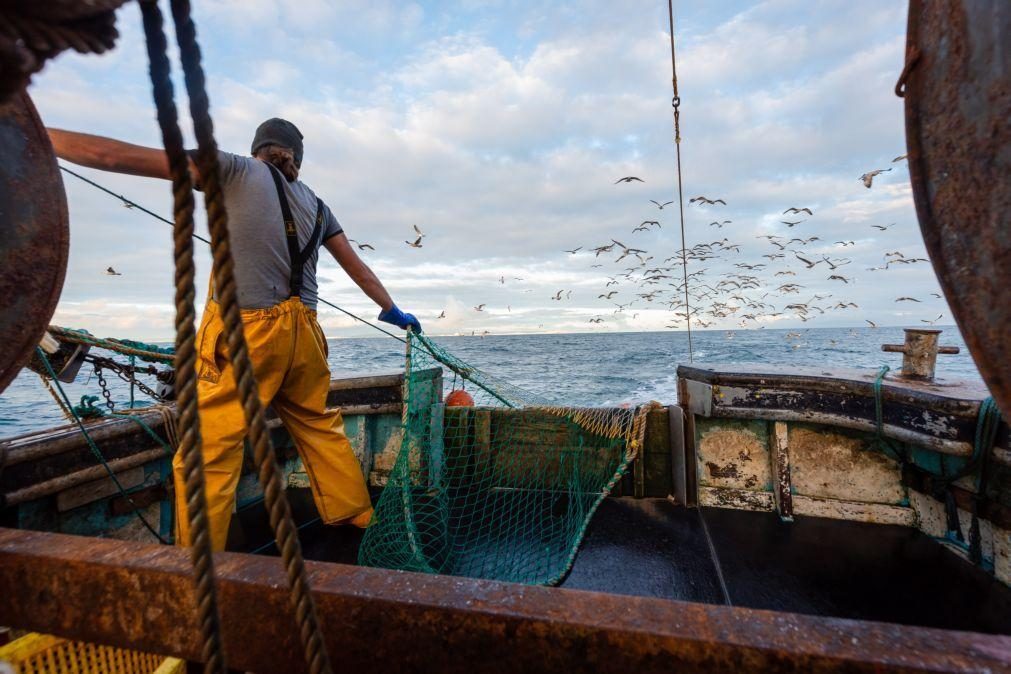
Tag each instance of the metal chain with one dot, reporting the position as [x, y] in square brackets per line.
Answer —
[128, 373]
[281, 520]
[104, 385]
[185, 344]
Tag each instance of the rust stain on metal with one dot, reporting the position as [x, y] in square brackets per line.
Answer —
[36, 233]
[958, 107]
[919, 353]
[142, 596]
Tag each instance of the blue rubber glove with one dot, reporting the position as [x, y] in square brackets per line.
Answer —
[394, 316]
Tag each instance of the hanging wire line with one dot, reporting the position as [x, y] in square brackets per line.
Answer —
[676, 103]
[134, 204]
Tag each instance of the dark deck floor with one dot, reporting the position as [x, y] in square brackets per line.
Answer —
[654, 548]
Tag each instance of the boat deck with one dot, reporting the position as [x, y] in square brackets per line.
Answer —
[652, 547]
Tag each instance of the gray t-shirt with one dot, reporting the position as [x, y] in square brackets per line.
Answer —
[256, 232]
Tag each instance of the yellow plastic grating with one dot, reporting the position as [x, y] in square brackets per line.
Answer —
[45, 654]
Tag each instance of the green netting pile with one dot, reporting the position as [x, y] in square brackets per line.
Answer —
[503, 489]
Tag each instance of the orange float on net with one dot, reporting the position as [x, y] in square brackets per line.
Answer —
[459, 398]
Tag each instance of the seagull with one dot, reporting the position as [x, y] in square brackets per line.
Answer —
[882, 228]
[416, 244]
[442, 315]
[845, 243]
[418, 231]
[596, 320]
[791, 224]
[806, 261]
[705, 200]
[628, 179]
[907, 299]
[937, 295]
[660, 206]
[900, 158]
[501, 279]
[558, 295]
[933, 321]
[362, 246]
[868, 177]
[608, 295]
[720, 224]
[873, 324]
[479, 307]
[797, 211]
[645, 226]
[573, 251]
[112, 272]
[836, 277]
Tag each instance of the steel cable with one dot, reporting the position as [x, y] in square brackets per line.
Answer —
[676, 104]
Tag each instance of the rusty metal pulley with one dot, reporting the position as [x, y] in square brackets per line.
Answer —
[957, 93]
[35, 239]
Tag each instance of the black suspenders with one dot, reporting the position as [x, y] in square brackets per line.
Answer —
[298, 257]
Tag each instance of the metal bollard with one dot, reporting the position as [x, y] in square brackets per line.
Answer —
[919, 353]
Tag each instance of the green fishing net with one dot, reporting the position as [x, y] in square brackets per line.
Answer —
[503, 489]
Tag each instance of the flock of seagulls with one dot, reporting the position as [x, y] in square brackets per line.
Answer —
[748, 292]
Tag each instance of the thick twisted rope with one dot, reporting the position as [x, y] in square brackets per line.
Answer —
[185, 351]
[125, 347]
[33, 32]
[281, 519]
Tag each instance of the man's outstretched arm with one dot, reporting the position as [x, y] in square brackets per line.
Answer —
[107, 154]
[366, 279]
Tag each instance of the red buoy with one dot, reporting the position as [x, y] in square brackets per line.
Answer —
[459, 398]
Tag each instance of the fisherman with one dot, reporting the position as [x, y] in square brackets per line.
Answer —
[276, 226]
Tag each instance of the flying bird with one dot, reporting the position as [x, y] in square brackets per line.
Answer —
[416, 244]
[836, 277]
[872, 323]
[791, 224]
[112, 272]
[418, 231]
[628, 179]
[596, 320]
[608, 295]
[442, 315]
[644, 227]
[362, 246]
[706, 200]
[882, 227]
[659, 205]
[798, 211]
[907, 299]
[479, 307]
[900, 158]
[932, 321]
[868, 177]
[558, 295]
[573, 251]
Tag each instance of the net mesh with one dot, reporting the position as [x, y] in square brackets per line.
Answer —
[503, 489]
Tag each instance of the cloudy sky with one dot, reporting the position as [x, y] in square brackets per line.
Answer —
[500, 128]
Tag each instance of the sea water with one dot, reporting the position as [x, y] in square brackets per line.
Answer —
[575, 369]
